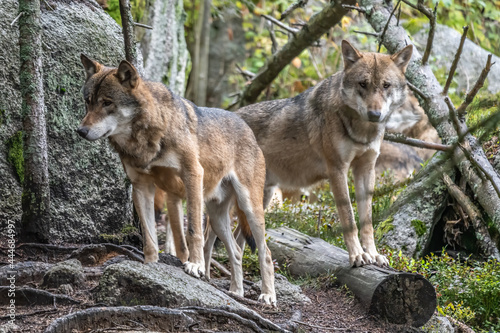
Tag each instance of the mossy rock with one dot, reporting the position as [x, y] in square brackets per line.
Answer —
[66, 272]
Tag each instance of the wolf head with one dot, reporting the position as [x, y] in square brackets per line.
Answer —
[109, 99]
[374, 84]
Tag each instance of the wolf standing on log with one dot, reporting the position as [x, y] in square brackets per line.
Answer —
[337, 124]
[190, 152]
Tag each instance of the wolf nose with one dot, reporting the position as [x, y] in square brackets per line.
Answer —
[83, 131]
[373, 116]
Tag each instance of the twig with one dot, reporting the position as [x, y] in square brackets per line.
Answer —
[321, 327]
[272, 35]
[359, 9]
[293, 6]
[431, 15]
[143, 26]
[401, 138]
[453, 116]
[315, 65]
[375, 34]
[387, 25]
[246, 74]
[280, 24]
[47, 3]
[485, 241]
[479, 84]
[418, 91]
[454, 65]
[17, 18]
[223, 270]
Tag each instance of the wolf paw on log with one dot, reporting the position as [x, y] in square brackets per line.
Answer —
[398, 297]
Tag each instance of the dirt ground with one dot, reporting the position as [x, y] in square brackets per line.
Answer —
[331, 308]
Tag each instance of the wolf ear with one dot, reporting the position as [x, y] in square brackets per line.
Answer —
[127, 74]
[91, 66]
[402, 58]
[350, 54]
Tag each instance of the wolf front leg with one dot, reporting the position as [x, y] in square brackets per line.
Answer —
[363, 170]
[338, 184]
[193, 180]
[143, 195]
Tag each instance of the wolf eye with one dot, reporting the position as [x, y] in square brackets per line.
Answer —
[107, 103]
[386, 85]
[362, 84]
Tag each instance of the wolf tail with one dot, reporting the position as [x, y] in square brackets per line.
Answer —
[245, 228]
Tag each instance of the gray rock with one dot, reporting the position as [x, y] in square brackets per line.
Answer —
[24, 272]
[472, 61]
[89, 194]
[438, 324]
[287, 292]
[66, 272]
[65, 289]
[134, 283]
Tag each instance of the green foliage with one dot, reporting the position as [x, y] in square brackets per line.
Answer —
[138, 6]
[15, 154]
[384, 227]
[467, 290]
[482, 107]
[128, 229]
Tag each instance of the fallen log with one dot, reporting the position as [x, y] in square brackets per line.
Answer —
[398, 297]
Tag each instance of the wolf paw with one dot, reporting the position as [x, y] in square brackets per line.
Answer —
[267, 299]
[194, 269]
[361, 259]
[381, 260]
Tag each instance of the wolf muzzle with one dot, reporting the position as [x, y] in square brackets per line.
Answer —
[83, 131]
[374, 116]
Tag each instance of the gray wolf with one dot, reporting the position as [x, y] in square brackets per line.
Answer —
[336, 125]
[201, 154]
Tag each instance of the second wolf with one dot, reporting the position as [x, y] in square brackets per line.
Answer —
[336, 125]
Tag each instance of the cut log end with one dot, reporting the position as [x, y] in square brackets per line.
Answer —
[404, 298]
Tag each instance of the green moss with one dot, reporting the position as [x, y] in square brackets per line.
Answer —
[419, 227]
[128, 229]
[15, 154]
[384, 227]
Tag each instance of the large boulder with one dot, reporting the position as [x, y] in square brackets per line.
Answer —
[472, 60]
[89, 192]
[134, 283]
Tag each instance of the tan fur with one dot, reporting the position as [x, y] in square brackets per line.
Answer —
[189, 152]
[336, 125]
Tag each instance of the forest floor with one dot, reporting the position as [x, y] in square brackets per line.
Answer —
[332, 308]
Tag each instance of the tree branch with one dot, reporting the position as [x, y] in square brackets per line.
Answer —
[280, 24]
[454, 65]
[315, 28]
[401, 138]
[479, 84]
[387, 25]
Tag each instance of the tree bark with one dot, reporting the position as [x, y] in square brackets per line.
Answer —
[164, 47]
[319, 24]
[378, 12]
[400, 298]
[36, 192]
[197, 86]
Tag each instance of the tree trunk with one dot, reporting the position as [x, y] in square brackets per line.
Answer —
[395, 38]
[36, 193]
[197, 86]
[164, 47]
[400, 298]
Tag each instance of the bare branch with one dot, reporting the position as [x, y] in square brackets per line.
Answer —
[418, 91]
[318, 24]
[143, 26]
[280, 24]
[359, 9]
[17, 18]
[128, 32]
[453, 115]
[246, 74]
[293, 6]
[272, 35]
[479, 84]
[482, 233]
[401, 138]
[375, 34]
[387, 25]
[455, 61]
